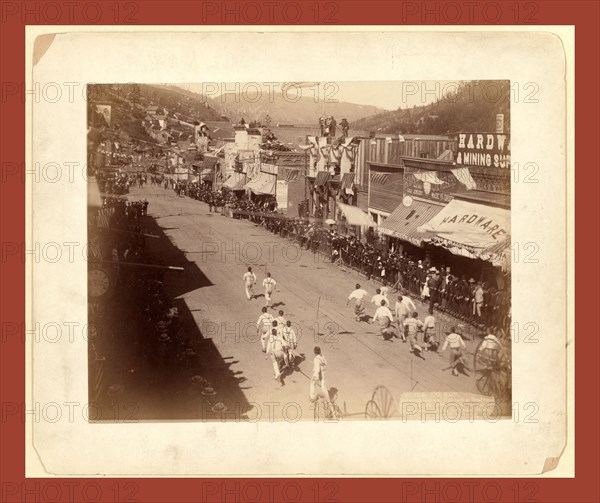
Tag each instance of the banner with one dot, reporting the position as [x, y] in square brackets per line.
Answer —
[489, 150]
[281, 194]
[470, 225]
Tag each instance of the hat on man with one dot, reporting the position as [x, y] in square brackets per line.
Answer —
[471, 280]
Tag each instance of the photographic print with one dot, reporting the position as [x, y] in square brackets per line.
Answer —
[300, 251]
[349, 252]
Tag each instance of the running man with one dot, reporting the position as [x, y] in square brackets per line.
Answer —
[429, 325]
[358, 296]
[457, 345]
[385, 318]
[402, 312]
[249, 282]
[269, 284]
[385, 289]
[278, 351]
[378, 297]
[263, 328]
[412, 325]
[281, 321]
[289, 335]
[407, 301]
[318, 387]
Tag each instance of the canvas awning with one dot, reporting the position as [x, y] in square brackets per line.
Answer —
[291, 174]
[235, 182]
[348, 182]
[322, 178]
[405, 220]
[471, 229]
[356, 216]
[264, 183]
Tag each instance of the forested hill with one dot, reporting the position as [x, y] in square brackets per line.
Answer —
[129, 104]
[471, 107]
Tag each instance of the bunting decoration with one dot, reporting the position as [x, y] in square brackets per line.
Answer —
[463, 175]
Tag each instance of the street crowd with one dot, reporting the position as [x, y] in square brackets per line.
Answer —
[475, 301]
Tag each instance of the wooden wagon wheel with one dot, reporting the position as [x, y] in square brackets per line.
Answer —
[372, 410]
[486, 365]
[385, 401]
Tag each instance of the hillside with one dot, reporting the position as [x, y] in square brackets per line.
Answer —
[473, 107]
[130, 101]
[283, 111]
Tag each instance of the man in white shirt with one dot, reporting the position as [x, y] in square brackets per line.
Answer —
[385, 318]
[318, 387]
[385, 289]
[281, 321]
[402, 312]
[263, 328]
[457, 345]
[249, 282]
[477, 300]
[429, 326]
[278, 351]
[269, 284]
[407, 301]
[289, 336]
[358, 296]
[377, 298]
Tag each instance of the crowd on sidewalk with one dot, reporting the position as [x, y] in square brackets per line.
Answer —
[471, 298]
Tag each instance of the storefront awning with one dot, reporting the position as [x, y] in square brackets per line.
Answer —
[405, 220]
[356, 216]
[264, 183]
[348, 182]
[322, 178]
[471, 229]
[235, 182]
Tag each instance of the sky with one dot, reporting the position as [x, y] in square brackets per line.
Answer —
[389, 95]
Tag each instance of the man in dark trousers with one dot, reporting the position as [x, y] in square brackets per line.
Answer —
[345, 127]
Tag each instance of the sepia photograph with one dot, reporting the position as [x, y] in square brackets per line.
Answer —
[233, 249]
[300, 251]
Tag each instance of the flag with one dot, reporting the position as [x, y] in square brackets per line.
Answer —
[428, 177]
[463, 175]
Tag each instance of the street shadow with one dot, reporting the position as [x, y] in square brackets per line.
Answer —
[166, 253]
[183, 378]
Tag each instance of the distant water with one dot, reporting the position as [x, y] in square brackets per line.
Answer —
[290, 136]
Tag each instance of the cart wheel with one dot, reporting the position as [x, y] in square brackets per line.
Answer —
[483, 381]
[384, 401]
[372, 410]
[486, 355]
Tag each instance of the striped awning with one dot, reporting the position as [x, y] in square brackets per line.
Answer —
[264, 183]
[405, 220]
[472, 229]
[235, 182]
[379, 178]
[347, 181]
[291, 174]
[322, 178]
[210, 162]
